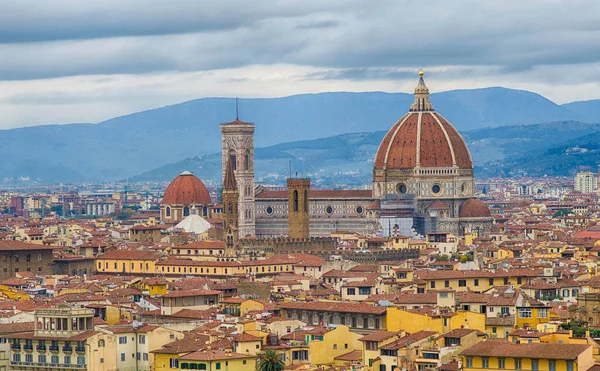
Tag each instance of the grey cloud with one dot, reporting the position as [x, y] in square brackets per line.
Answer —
[356, 39]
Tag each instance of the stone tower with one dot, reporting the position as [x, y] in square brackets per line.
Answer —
[298, 208]
[230, 210]
[238, 147]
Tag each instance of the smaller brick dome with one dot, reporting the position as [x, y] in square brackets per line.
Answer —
[473, 208]
[186, 189]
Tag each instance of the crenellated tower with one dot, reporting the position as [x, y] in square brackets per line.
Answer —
[298, 207]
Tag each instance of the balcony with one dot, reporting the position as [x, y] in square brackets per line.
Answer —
[38, 365]
[28, 347]
[53, 348]
[40, 348]
[67, 349]
[80, 349]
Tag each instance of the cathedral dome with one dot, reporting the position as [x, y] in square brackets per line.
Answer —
[422, 138]
[186, 189]
[473, 208]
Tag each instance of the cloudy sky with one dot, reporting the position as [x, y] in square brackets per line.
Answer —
[66, 61]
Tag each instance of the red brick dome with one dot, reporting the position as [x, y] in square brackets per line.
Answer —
[186, 189]
[473, 208]
[426, 139]
[422, 138]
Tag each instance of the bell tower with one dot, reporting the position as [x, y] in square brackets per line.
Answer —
[230, 210]
[237, 138]
[298, 208]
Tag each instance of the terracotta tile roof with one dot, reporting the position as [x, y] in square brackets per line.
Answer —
[11, 328]
[245, 337]
[355, 355]
[378, 336]
[503, 348]
[408, 339]
[8, 245]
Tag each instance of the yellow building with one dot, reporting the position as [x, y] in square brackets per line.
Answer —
[411, 322]
[239, 307]
[136, 262]
[371, 344]
[64, 337]
[476, 280]
[326, 343]
[501, 354]
[155, 286]
[213, 359]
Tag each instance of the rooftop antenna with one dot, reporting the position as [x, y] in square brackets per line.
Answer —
[237, 110]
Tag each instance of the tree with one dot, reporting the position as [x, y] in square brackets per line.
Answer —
[270, 361]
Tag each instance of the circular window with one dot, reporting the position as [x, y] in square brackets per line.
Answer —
[359, 210]
[436, 189]
[401, 188]
[269, 210]
[329, 210]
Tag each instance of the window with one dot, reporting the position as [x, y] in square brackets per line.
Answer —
[334, 346]
[485, 362]
[476, 282]
[81, 360]
[28, 357]
[122, 339]
[501, 363]
[16, 357]
[534, 365]
[542, 312]
[552, 365]
[173, 363]
[53, 359]
[122, 357]
[519, 280]
[469, 362]
[446, 283]
[504, 311]
[462, 283]
[41, 358]
[351, 291]
[517, 364]
[432, 284]
[142, 339]
[218, 366]
[491, 282]
[364, 291]
[569, 365]
[524, 312]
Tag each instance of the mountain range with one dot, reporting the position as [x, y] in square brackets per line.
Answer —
[140, 142]
[556, 148]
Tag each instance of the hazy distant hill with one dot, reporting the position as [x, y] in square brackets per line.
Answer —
[589, 111]
[135, 143]
[348, 159]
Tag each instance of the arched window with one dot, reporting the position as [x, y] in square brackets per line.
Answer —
[205, 211]
[232, 159]
[295, 200]
[186, 211]
[247, 160]
[168, 211]
[230, 208]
